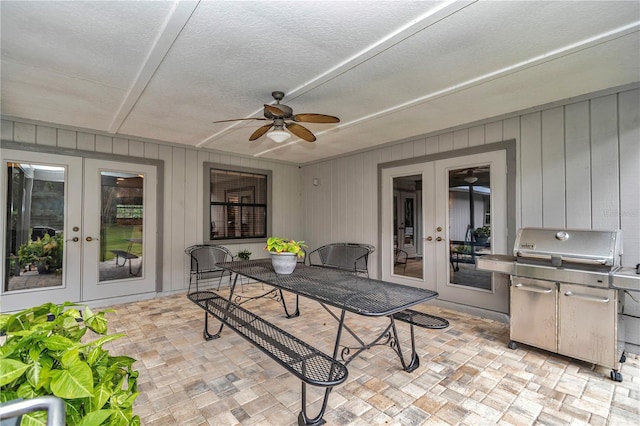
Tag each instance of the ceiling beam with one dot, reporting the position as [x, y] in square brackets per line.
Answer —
[177, 19]
[416, 25]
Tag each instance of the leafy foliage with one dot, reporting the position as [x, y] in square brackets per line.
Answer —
[244, 254]
[46, 250]
[285, 245]
[483, 232]
[43, 354]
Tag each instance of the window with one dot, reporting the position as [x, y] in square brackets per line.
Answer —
[237, 202]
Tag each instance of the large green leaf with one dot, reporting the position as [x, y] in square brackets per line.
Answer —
[104, 339]
[11, 369]
[26, 391]
[101, 395]
[35, 418]
[75, 381]
[57, 343]
[96, 418]
[33, 374]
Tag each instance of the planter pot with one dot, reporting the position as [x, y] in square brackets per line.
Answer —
[43, 269]
[284, 263]
[482, 240]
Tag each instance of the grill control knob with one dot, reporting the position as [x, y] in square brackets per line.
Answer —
[562, 235]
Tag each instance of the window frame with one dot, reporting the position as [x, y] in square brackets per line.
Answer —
[208, 167]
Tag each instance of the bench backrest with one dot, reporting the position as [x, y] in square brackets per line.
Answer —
[352, 257]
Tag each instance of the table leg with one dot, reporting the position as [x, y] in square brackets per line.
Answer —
[388, 337]
[395, 344]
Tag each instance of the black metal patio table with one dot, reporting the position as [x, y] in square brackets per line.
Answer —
[347, 292]
[331, 288]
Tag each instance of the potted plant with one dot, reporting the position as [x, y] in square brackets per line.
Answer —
[43, 352]
[46, 253]
[482, 234]
[284, 253]
[244, 254]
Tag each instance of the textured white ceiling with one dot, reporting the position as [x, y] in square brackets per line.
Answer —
[389, 69]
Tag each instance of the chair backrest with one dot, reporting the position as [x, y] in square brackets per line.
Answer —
[204, 258]
[352, 257]
[400, 256]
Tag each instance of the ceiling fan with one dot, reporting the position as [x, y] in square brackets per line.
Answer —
[280, 114]
[471, 175]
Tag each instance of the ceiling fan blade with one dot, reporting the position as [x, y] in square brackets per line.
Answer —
[301, 132]
[261, 131]
[238, 119]
[316, 118]
[274, 110]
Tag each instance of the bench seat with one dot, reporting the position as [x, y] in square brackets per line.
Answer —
[307, 363]
[421, 319]
[126, 256]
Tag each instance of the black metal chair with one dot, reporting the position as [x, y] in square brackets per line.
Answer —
[400, 258]
[204, 259]
[352, 257]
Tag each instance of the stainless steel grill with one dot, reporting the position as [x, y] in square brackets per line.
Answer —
[567, 292]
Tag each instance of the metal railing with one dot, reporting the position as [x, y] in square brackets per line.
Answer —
[53, 405]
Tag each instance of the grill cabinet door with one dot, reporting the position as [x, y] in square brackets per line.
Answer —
[534, 312]
[588, 324]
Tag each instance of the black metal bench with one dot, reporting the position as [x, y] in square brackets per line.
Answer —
[126, 256]
[307, 363]
[421, 319]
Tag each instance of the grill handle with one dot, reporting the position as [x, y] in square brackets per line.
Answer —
[587, 297]
[533, 288]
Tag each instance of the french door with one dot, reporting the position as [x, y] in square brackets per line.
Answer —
[458, 201]
[75, 229]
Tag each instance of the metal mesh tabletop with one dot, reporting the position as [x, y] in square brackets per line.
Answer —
[364, 296]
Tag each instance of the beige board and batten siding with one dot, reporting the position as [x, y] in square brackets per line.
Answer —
[182, 186]
[578, 166]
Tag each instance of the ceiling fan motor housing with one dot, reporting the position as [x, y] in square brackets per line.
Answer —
[287, 112]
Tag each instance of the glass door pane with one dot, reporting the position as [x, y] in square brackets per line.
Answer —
[407, 226]
[121, 225]
[469, 225]
[35, 226]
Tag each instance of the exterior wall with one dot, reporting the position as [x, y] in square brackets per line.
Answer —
[182, 187]
[578, 166]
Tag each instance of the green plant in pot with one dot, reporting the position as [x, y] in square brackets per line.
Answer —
[482, 234]
[43, 353]
[284, 253]
[45, 252]
[244, 254]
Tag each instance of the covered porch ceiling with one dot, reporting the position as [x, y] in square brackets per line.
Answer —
[389, 70]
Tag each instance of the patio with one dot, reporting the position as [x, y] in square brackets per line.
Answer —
[467, 375]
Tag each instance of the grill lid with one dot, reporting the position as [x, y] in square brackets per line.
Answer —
[569, 245]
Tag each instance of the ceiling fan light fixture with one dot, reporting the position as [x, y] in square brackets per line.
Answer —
[278, 136]
[471, 179]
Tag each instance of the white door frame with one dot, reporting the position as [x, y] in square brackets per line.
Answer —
[435, 216]
[496, 299]
[69, 290]
[80, 282]
[425, 170]
[92, 287]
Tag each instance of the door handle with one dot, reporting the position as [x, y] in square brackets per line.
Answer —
[74, 239]
[89, 239]
[587, 297]
[534, 288]
[438, 239]
[429, 238]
